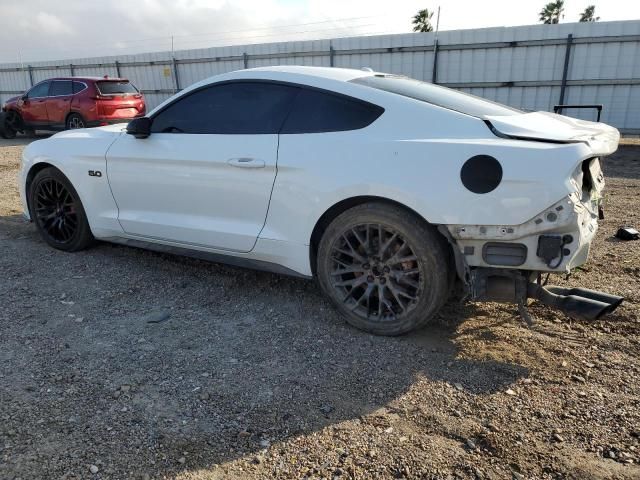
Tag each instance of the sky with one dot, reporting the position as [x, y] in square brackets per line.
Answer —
[61, 29]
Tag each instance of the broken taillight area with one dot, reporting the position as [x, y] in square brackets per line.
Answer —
[555, 240]
[588, 181]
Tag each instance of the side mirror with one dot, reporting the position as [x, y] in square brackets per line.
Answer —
[24, 97]
[140, 127]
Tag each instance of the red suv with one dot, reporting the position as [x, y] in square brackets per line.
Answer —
[75, 102]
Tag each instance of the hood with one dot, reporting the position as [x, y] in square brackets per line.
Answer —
[96, 132]
[12, 100]
[603, 139]
[81, 143]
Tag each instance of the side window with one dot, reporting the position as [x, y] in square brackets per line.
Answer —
[60, 88]
[78, 87]
[316, 111]
[231, 108]
[39, 91]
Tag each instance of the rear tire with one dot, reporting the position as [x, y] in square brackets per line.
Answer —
[57, 211]
[75, 121]
[385, 269]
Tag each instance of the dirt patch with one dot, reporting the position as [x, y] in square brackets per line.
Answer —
[245, 374]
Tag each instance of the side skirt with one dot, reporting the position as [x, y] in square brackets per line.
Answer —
[49, 127]
[249, 263]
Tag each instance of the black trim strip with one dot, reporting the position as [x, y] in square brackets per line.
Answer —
[499, 134]
[242, 262]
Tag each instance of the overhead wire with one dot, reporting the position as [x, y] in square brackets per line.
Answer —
[351, 27]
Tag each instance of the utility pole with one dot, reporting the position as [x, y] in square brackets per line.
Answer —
[26, 75]
[176, 80]
[434, 72]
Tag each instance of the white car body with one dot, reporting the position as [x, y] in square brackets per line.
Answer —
[197, 193]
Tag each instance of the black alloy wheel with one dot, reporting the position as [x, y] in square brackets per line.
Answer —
[376, 272]
[386, 270]
[58, 212]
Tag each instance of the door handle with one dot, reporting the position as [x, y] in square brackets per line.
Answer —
[246, 162]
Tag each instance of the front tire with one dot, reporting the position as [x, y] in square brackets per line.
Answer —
[57, 211]
[386, 270]
[9, 124]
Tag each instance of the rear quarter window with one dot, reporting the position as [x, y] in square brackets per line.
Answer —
[437, 95]
[315, 111]
[78, 87]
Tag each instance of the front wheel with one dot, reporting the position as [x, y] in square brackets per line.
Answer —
[10, 124]
[386, 270]
[57, 211]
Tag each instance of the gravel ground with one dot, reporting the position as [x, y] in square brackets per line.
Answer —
[253, 375]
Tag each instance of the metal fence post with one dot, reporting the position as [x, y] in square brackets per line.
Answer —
[245, 59]
[332, 54]
[565, 70]
[71, 69]
[30, 75]
[175, 74]
[117, 68]
[434, 75]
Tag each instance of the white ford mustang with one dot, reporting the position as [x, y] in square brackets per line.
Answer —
[390, 190]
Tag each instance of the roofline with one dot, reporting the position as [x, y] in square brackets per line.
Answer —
[330, 73]
[86, 78]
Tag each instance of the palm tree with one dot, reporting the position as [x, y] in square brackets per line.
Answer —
[422, 21]
[589, 14]
[552, 12]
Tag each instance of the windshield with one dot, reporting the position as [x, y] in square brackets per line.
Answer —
[116, 88]
[437, 95]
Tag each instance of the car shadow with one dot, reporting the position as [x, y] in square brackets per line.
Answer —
[614, 239]
[174, 357]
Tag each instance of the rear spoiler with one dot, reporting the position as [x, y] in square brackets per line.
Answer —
[498, 133]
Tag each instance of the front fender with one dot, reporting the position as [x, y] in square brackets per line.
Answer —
[75, 156]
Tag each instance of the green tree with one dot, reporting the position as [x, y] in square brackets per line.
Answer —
[552, 12]
[422, 21]
[589, 14]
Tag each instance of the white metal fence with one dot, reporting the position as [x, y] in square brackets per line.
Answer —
[530, 67]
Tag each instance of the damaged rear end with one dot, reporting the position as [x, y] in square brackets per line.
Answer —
[506, 263]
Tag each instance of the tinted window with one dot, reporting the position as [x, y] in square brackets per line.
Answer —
[232, 108]
[78, 87]
[315, 111]
[116, 88]
[60, 87]
[436, 95]
[40, 90]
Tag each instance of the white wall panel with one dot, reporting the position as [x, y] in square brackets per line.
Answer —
[600, 60]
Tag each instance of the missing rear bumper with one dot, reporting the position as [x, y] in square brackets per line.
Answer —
[515, 286]
[556, 240]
